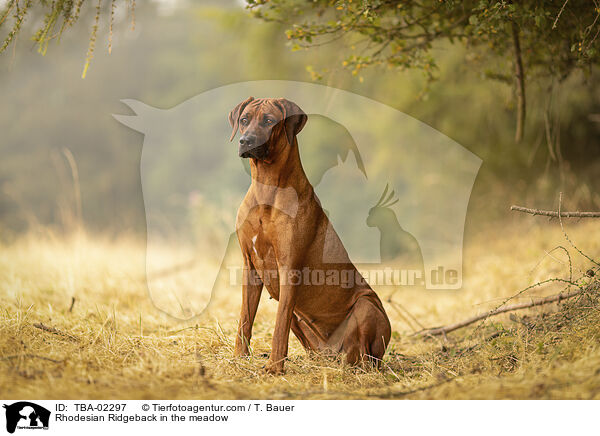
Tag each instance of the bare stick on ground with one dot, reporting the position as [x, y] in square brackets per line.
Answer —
[536, 302]
[55, 331]
[552, 213]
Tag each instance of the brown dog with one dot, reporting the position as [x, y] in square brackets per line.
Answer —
[290, 247]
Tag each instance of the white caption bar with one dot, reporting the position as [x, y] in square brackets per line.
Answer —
[251, 417]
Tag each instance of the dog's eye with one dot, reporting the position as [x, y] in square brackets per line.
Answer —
[268, 121]
[244, 121]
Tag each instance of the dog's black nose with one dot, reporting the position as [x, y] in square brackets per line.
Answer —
[248, 146]
[247, 141]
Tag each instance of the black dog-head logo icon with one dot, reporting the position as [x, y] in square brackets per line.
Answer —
[26, 415]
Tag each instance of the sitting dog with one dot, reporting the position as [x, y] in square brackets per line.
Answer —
[290, 247]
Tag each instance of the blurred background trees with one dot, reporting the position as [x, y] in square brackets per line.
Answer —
[449, 64]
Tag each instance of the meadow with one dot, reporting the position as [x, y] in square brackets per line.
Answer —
[76, 322]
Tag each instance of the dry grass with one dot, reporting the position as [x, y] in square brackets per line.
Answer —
[115, 344]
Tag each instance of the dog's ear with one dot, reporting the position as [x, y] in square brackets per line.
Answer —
[293, 117]
[234, 116]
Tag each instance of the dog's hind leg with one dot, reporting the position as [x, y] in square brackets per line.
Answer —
[367, 333]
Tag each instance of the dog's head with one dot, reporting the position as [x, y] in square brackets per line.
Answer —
[266, 126]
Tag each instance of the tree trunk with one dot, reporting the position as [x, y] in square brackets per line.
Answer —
[520, 79]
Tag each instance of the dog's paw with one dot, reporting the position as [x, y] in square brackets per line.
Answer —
[274, 368]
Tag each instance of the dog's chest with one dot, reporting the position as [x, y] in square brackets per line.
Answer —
[259, 243]
[261, 248]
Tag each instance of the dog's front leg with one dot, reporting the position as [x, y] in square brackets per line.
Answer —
[283, 322]
[251, 290]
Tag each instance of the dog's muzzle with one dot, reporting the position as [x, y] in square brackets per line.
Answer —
[249, 148]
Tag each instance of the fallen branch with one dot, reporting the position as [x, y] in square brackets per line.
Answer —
[536, 302]
[55, 331]
[555, 214]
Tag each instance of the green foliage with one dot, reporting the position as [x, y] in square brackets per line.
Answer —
[556, 37]
[58, 15]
